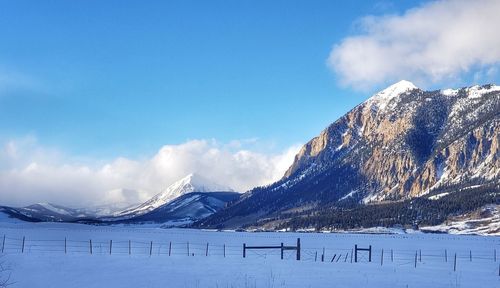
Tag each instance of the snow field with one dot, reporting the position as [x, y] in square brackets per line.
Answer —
[44, 263]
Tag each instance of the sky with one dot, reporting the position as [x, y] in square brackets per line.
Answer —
[96, 96]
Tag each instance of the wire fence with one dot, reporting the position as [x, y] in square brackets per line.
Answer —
[336, 255]
[120, 247]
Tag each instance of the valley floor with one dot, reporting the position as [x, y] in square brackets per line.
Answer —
[159, 258]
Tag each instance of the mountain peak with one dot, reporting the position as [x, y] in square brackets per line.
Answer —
[396, 89]
[196, 183]
[383, 97]
[404, 83]
[190, 183]
[194, 178]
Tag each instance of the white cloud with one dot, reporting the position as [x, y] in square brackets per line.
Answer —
[30, 173]
[437, 42]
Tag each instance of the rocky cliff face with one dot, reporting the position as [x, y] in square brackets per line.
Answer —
[402, 142]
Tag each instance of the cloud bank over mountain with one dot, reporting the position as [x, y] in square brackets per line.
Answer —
[31, 173]
[437, 42]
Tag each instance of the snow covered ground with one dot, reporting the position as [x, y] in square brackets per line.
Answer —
[484, 221]
[44, 263]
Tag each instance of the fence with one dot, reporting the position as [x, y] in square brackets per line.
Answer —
[121, 247]
[401, 257]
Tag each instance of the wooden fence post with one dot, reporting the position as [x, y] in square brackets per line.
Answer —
[206, 251]
[356, 255]
[129, 247]
[110, 246]
[298, 249]
[415, 259]
[65, 246]
[316, 256]
[392, 256]
[352, 252]
[370, 254]
[3, 244]
[419, 255]
[151, 249]
[22, 249]
[345, 259]
[170, 248]
[224, 250]
[90, 245]
[382, 258]
[323, 255]
[455, 263]
[445, 255]
[470, 255]
[244, 250]
[281, 250]
[188, 248]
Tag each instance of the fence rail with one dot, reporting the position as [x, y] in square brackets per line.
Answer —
[281, 247]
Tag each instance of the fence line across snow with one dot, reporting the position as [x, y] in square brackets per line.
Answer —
[335, 255]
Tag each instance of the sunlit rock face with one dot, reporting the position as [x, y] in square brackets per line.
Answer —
[401, 143]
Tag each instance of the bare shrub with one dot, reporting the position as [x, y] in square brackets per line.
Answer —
[4, 274]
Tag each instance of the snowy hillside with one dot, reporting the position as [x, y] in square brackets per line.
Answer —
[485, 220]
[57, 213]
[46, 212]
[187, 208]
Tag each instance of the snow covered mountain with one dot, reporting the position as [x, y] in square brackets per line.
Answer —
[187, 208]
[49, 212]
[46, 212]
[191, 183]
[192, 198]
[400, 144]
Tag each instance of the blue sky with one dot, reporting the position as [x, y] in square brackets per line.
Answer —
[121, 78]
[96, 96]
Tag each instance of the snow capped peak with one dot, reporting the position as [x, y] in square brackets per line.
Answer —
[194, 183]
[382, 98]
[193, 179]
[190, 183]
[396, 89]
